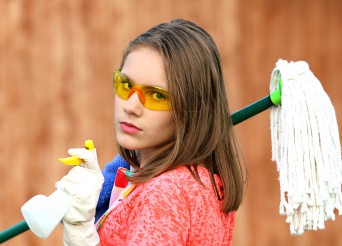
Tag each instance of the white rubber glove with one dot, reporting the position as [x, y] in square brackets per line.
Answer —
[83, 184]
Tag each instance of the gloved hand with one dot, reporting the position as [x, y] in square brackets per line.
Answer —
[83, 184]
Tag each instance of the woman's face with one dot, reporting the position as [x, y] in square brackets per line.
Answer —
[136, 127]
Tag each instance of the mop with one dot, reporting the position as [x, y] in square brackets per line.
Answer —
[305, 145]
[306, 148]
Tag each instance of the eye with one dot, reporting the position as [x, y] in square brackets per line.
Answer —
[158, 96]
[127, 85]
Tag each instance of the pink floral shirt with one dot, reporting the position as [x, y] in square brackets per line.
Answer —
[171, 209]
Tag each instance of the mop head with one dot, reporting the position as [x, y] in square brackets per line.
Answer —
[306, 147]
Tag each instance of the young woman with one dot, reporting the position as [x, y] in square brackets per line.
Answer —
[173, 127]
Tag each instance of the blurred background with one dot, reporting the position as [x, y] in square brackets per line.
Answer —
[56, 64]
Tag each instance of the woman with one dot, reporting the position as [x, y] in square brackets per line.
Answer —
[172, 126]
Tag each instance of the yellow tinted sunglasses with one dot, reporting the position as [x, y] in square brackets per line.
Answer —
[152, 97]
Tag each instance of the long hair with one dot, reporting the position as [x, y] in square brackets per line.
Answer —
[204, 134]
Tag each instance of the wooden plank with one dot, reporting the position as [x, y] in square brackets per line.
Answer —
[56, 64]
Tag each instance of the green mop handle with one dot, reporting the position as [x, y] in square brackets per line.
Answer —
[255, 108]
[13, 231]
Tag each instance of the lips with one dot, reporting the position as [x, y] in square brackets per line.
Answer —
[129, 128]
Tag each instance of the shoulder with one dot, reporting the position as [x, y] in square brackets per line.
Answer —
[169, 185]
[175, 177]
[168, 189]
[178, 184]
[179, 179]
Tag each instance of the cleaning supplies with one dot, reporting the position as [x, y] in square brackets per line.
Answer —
[306, 147]
[74, 160]
[42, 213]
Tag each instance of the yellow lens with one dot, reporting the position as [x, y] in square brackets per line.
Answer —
[152, 97]
[156, 98]
[123, 86]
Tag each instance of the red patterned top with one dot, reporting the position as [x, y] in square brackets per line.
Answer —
[171, 209]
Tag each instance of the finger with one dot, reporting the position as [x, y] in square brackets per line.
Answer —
[79, 152]
[89, 156]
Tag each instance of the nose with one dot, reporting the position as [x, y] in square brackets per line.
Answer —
[133, 104]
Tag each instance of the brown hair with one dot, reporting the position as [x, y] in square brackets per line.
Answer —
[204, 132]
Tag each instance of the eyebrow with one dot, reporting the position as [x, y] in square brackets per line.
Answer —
[127, 77]
[143, 84]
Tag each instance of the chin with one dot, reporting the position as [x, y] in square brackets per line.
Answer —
[127, 143]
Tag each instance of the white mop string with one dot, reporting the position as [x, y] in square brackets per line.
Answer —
[306, 147]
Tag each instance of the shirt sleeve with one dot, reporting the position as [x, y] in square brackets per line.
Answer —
[162, 217]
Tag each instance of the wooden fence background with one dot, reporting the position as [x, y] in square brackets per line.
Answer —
[56, 63]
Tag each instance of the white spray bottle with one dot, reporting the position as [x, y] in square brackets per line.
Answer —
[42, 214]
